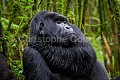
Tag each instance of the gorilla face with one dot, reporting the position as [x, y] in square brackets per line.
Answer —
[65, 31]
[64, 28]
[55, 28]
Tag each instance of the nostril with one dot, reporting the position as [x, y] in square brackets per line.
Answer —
[67, 27]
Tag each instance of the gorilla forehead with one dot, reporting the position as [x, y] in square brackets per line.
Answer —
[56, 16]
[51, 15]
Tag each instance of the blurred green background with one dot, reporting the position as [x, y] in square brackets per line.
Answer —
[99, 20]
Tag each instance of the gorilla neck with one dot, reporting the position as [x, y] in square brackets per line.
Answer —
[73, 59]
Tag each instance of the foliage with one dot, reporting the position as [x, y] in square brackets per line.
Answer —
[93, 17]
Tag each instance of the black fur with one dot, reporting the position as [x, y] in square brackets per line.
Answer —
[72, 59]
[5, 72]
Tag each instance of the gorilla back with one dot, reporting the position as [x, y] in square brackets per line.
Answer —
[58, 50]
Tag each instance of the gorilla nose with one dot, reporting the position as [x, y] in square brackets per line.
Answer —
[67, 27]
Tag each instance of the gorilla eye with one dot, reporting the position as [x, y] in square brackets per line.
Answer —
[58, 22]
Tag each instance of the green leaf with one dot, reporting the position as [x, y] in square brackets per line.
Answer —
[22, 17]
[28, 7]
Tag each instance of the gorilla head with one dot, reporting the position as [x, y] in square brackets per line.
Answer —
[54, 28]
[63, 46]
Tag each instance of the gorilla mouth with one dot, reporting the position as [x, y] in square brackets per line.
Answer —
[69, 35]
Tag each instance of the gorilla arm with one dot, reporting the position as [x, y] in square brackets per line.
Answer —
[99, 72]
[35, 68]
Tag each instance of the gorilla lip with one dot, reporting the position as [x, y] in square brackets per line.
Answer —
[68, 34]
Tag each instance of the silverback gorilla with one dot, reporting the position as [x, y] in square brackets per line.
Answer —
[58, 50]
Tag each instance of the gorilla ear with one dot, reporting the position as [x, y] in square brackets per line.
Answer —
[41, 25]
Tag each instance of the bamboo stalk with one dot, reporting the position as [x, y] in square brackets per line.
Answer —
[102, 40]
[54, 5]
[68, 7]
[103, 17]
[108, 50]
[48, 4]
[76, 11]
[116, 12]
[80, 12]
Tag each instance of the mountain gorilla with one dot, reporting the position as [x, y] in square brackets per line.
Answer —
[58, 50]
[5, 71]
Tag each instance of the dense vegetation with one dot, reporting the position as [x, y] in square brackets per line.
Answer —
[99, 20]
